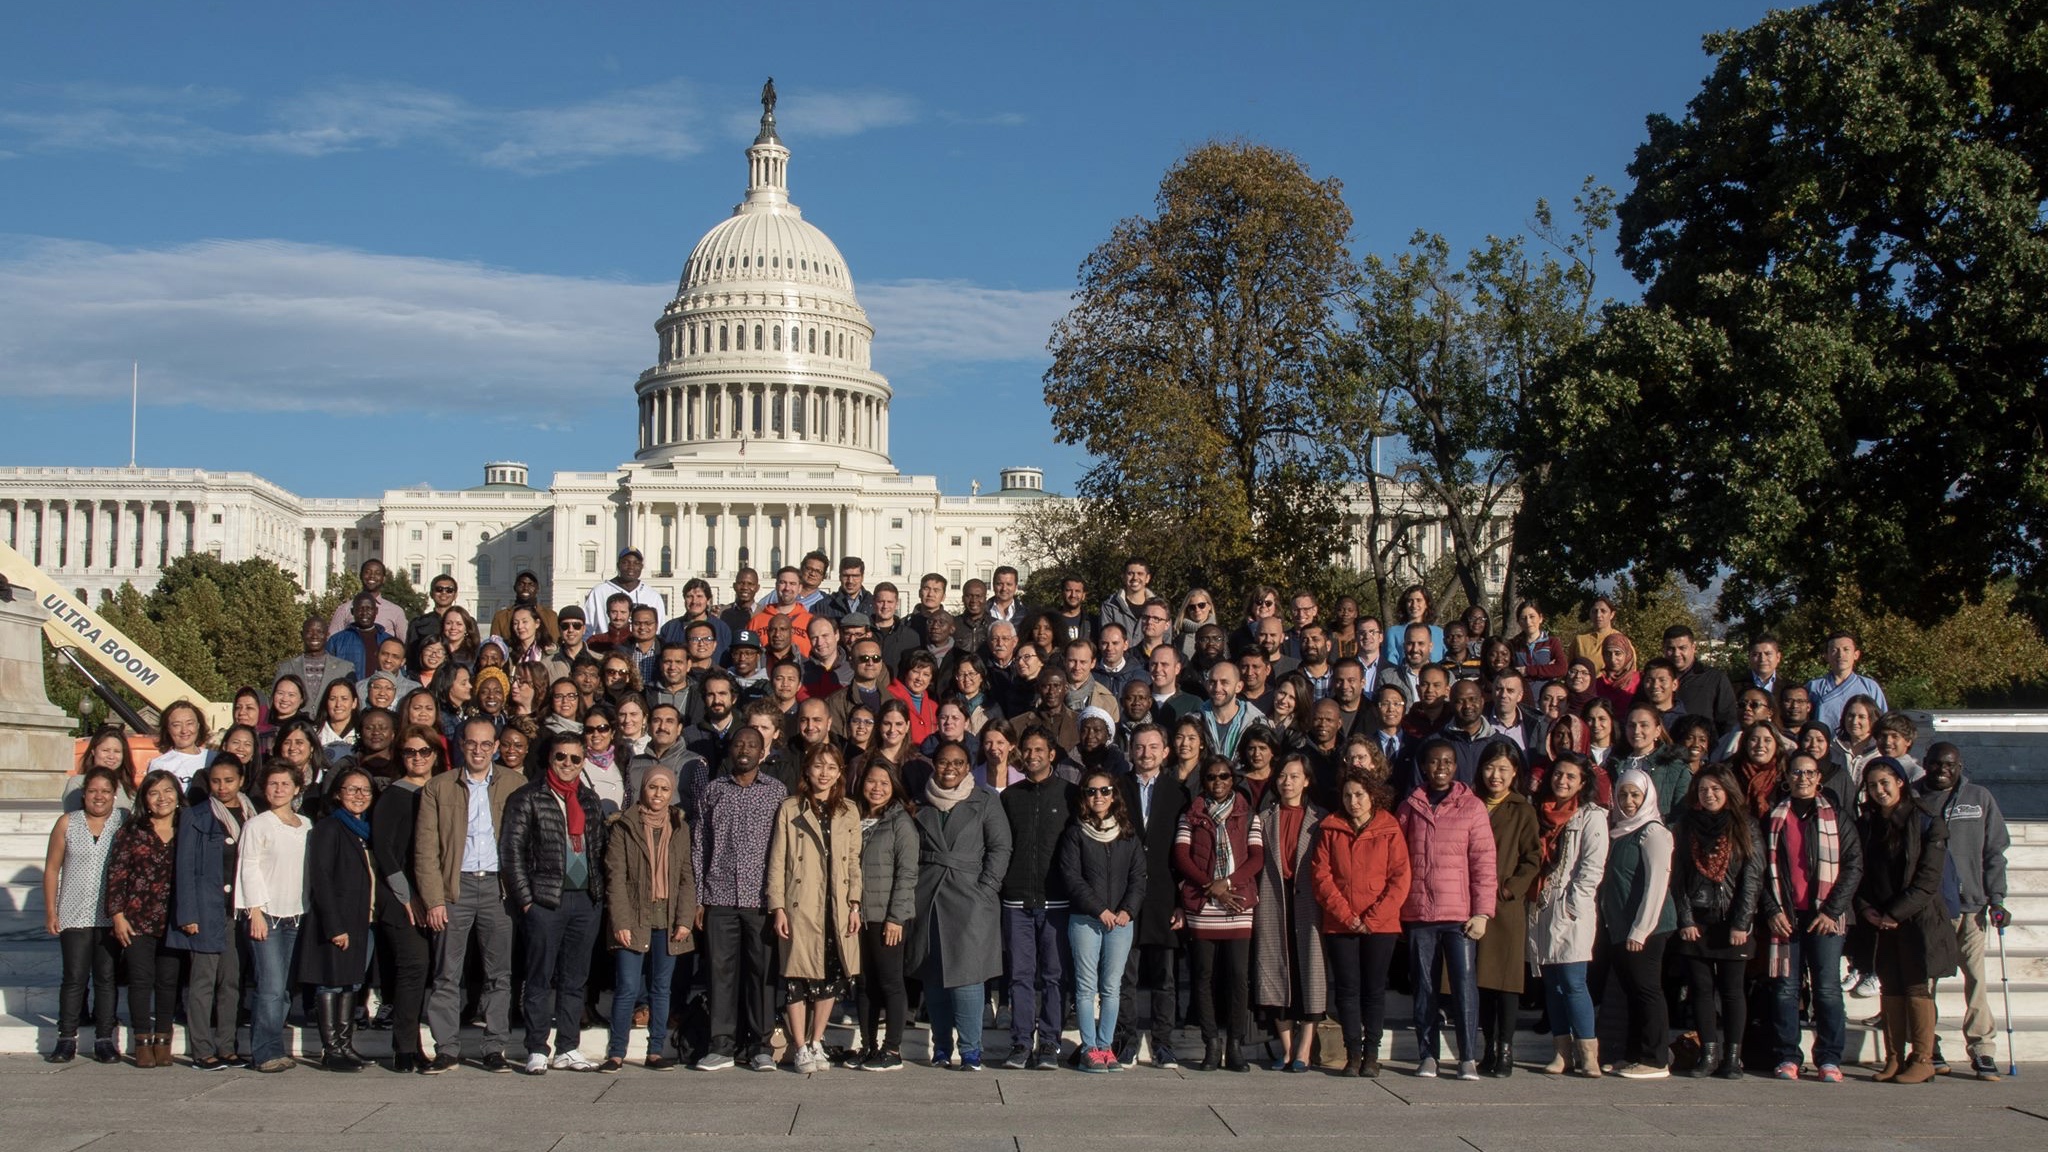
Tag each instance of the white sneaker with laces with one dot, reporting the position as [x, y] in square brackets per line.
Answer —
[536, 1064]
[1866, 987]
[574, 1061]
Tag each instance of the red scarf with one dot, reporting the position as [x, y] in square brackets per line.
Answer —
[1761, 782]
[567, 791]
[1554, 814]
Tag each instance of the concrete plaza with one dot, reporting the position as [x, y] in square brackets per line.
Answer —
[84, 1105]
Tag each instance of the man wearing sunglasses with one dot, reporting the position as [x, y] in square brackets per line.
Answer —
[866, 688]
[553, 858]
[427, 625]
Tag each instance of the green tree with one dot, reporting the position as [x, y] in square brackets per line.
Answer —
[1189, 365]
[1445, 356]
[1834, 377]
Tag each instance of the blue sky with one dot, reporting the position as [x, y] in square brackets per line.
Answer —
[368, 246]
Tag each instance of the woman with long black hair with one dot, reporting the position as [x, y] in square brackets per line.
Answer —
[139, 880]
[1717, 874]
[888, 865]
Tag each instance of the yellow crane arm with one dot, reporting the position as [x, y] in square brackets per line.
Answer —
[69, 623]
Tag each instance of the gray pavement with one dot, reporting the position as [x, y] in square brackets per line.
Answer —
[51, 1109]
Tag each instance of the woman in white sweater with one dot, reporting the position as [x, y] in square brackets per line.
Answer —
[1562, 917]
[1638, 917]
[272, 893]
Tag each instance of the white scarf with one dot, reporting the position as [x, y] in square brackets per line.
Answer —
[943, 799]
[1224, 862]
[1104, 833]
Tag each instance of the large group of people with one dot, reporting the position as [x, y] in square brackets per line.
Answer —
[1106, 817]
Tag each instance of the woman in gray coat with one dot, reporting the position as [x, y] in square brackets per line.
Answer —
[888, 904]
[963, 849]
[1288, 982]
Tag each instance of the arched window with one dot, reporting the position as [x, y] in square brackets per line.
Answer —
[814, 340]
[757, 337]
[746, 261]
[693, 339]
[795, 338]
[721, 337]
[842, 345]
[778, 337]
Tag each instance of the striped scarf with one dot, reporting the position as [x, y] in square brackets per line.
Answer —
[1827, 865]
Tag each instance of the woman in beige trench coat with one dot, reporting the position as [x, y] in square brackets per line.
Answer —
[814, 888]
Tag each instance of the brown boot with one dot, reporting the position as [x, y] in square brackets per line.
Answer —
[1920, 1020]
[1893, 1011]
[145, 1049]
[1562, 1062]
[1589, 1059]
[163, 1050]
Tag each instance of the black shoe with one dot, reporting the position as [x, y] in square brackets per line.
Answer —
[235, 1060]
[1489, 1055]
[1021, 1056]
[1710, 1059]
[1043, 1060]
[883, 1062]
[443, 1062]
[1233, 1056]
[1731, 1064]
[1212, 1056]
[106, 1051]
[65, 1051]
[405, 1062]
[1505, 1066]
[496, 1062]
[1162, 1054]
[211, 1064]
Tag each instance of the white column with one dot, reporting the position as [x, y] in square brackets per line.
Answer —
[727, 542]
[153, 538]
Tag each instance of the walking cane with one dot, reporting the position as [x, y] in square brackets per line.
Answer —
[2005, 983]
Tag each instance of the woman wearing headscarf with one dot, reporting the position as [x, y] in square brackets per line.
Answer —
[650, 904]
[1619, 675]
[1638, 917]
[1904, 906]
[1563, 921]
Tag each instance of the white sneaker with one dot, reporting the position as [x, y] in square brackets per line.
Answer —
[801, 1061]
[763, 1061]
[574, 1061]
[713, 1062]
[1866, 987]
[536, 1064]
[1426, 1068]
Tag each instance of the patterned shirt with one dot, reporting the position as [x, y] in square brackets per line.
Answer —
[729, 850]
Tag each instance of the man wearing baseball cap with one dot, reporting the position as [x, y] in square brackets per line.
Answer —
[628, 582]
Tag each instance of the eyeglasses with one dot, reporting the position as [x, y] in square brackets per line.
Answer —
[703, 639]
[354, 790]
[417, 753]
[1098, 791]
[597, 729]
[566, 758]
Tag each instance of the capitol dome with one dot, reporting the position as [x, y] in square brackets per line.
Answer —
[763, 353]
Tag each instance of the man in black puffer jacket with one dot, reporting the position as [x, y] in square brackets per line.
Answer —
[552, 848]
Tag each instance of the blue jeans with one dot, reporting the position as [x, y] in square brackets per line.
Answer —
[1820, 958]
[1032, 937]
[954, 1010]
[633, 974]
[1099, 957]
[1425, 941]
[1570, 1005]
[272, 959]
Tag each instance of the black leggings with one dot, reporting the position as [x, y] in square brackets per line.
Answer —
[407, 954]
[89, 953]
[881, 986]
[1220, 973]
[1497, 1016]
[153, 972]
[1358, 985]
[1718, 983]
[1642, 980]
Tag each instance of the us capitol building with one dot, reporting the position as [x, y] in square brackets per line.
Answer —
[763, 434]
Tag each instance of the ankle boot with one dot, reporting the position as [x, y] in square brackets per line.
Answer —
[1896, 1023]
[1920, 1019]
[145, 1049]
[163, 1049]
[1731, 1056]
[1505, 1066]
[1562, 1061]
[1589, 1059]
[1352, 1060]
[345, 1027]
[1710, 1059]
[1233, 1055]
[1212, 1054]
[1489, 1052]
[1369, 1067]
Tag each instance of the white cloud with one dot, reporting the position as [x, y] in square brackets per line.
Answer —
[239, 325]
